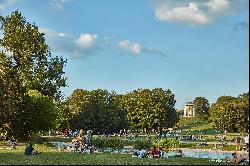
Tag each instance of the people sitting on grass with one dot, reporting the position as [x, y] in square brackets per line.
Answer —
[29, 150]
[155, 152]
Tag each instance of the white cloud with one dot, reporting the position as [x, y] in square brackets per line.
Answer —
[85, 41]
[190, 13]
[88, 44]
[136, 48]
[85, 44]
[195, 12]
[62, 34]
[7, 3]
[56, 5]
[217, 5]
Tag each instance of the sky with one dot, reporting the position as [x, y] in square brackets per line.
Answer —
[192, 47]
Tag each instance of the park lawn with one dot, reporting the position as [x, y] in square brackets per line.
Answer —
[70, 158]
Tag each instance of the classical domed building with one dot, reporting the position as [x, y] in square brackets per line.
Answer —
[189, 110]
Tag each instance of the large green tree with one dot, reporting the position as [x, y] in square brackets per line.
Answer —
[201, 106]
[26, 64]
[26, 52]
[97, 110]
[231, 113]
[150, 109]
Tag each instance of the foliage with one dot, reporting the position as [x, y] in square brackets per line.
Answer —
[39, 116]
[96, 110]
[142, 144]
[150, 109]
[38, 139]
[98, 142]
[26, 64]
[108, 143]
[230, 113]
[201, 106]
[29, 56]
[167, 143]
[63, 117]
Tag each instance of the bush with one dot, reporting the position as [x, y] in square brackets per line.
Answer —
[167, 143]
[108, 143]
[142, 144]
[37, 139]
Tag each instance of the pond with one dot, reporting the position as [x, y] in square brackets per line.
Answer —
[194, 153]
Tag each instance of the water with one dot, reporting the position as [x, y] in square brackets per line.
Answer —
[210, 154]
[202, 154]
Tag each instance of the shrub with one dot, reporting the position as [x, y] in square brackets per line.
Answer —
[98, 142]
[113, 143]
[167, 143]
[142, 144]
[37, 139]
[108, 143]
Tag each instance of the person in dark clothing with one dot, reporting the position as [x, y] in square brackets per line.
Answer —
[29, 150]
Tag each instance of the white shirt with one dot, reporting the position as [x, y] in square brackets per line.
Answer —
[246, 139]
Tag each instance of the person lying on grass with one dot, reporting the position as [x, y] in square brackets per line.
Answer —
[238, 158]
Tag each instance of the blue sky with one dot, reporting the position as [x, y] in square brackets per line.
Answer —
[192, 47]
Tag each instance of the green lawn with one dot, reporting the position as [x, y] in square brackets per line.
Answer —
[70, 158]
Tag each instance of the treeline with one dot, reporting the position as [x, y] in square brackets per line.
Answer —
[106, 112]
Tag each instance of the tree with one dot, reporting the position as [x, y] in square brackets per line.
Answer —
[39, 115]
[201, 106]
[26, 64]
[97, 110]
[230, 113]
[150, 109]
[29, 56]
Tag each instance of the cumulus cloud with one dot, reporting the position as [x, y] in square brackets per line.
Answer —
[190, 13]
[195, 12]
[7, 3]
[85, 41]
[76, 47]
[217, 5]
[126, 45]
[137, 49]
[57, 5]
[89, 44]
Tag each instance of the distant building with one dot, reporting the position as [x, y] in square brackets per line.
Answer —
[189, 110]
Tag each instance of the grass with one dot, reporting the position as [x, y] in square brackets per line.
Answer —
[12, 157]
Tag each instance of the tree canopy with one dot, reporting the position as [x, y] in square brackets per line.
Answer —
[26, 64]
[231, 113]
